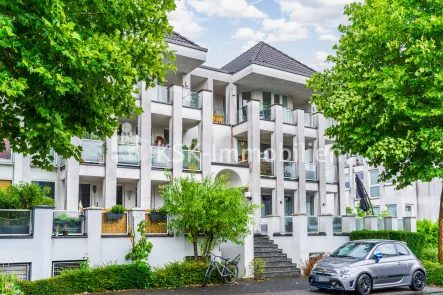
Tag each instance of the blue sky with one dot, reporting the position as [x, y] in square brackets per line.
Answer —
[303, 29]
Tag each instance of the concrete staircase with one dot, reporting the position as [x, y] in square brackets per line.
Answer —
[277, 263]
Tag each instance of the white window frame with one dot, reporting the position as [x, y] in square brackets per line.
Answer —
[374, 185]
[396, 209]
[412, 210]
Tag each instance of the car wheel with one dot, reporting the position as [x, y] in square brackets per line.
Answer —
[418, 281]
[364, 285]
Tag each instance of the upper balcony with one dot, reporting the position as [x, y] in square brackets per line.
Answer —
[7, 156]
[93, 151]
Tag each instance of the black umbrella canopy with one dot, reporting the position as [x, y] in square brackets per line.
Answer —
[361, 192]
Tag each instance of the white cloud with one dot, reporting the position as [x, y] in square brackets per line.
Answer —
[319, 63]
[227, 8]
[328, 37]
[248, 34]
[321, 30]
[184, 22]
[279, 30]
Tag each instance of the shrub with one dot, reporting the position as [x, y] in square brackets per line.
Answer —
[430, 232]
[429, 254]
[415, 241]
[24, 196]
[434, 273]
[139, 249]
[307, 267]
[9, 285]
[66, 218]
[97, 279]
[118, 209]
[257, 267]
[182, 273]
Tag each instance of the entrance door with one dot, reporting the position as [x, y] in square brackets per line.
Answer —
[266, 209]
[120, 200]
[85, 194]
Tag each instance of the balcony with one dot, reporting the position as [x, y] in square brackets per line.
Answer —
[288, 116]
[7, 155]
[162, 95]
[191, 160]
[191, 99]
[161, 157]
[312, 224]
[129, 154]
[337, 226]
[331, 174]
[286, 225]
[15, 222]
[309, 120]
[311, 172]
[266, 167]
[93, 151]
[219, 116]
[290, 170]
[265, 112]
[330, 122]
[242, 114]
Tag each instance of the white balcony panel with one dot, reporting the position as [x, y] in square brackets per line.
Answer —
[268, 183]
[158, 175]
[42, 174]
[312, 186]
[240, 129]
[332, 188]
[310, 132]
[291, 185]
[267, 126]
[6, 171]
[92, 170]
[192, 114]
[128, 173]
[161, 109]
[290, 129]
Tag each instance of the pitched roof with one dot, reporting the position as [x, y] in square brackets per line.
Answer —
[178, 39]
[268, 56]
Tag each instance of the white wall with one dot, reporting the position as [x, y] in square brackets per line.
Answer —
[221, 145]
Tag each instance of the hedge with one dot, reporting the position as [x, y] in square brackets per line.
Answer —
[97, 279]
[415, 241]
[434, 273]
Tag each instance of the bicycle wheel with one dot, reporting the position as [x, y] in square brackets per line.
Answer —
[207, 275]
[230, 273]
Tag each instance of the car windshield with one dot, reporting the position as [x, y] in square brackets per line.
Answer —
[353, 250]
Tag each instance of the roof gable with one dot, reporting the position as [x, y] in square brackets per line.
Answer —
[178, 39]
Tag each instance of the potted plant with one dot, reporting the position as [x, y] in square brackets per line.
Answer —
[116, 212]
[158, 214]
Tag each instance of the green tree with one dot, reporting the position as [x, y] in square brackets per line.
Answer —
[69, 67]
[211, 207]
[385, 89]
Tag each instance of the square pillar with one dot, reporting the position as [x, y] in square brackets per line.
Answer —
[273, 224]
[42, 234]
[231, 101]
[410, 224]
[177, 131]
[300, 237]
[94, 232]
[248, 251]
[206, 131]
[321, 162]
[136, 215]
[299, 143]
[325, 225]
[390, 223]
[72, 180]
[254, 156]
[370, 222]
[277, 147]
[341, 185]
[110, 180]
[348, 223]
[145, 129]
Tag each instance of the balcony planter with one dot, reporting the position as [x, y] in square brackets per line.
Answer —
[114, 216]
[14, 229]
[157, 216]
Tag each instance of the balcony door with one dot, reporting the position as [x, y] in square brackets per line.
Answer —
[84, 194]
[120, 199]
[289, 206]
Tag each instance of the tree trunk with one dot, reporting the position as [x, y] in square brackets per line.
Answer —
[440, 229]
[194, 242]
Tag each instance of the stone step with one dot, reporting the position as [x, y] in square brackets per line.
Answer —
[267, 249]
[279, 262]
[282, 268]
[265, 245]
[281, 274]
[268, 258]
[270, 254]
[263, 241]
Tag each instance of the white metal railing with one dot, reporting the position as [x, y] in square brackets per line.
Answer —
[401, 224]
[242, 114]
[337, 226]
[309, 120]
[266, 167]
[129, 154]
[263, 223]
[331, 174]
[162, 94]
[191, 99]
[288, 116]
[93, 151]
[15, 222]
[312, 224]
[286, 225]
[71, 222]
[290, 170]
[161, 157]
[311, 171]
[7, 155]
[191, 160]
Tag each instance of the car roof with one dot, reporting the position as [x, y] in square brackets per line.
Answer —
[375, 241]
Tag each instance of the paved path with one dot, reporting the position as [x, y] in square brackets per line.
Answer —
[270, 287]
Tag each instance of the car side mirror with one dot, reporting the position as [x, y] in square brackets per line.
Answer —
[378, 256]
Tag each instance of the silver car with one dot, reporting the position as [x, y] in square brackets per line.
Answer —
[365, 265]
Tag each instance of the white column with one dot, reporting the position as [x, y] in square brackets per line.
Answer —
[390, 223]
[136, 215]
[145, 127]
[42, 233]
[348, 223]
[249, 252]
[277, 147]
[321, 163]
[110, 181]
[72, 180]
[341, 185]
[299, 142]
[300, 238]
[410, 224]
[254, 156]
[94, 232]
[206, 131]
[273, 224]
[177, 131]
[370, 223]
[325, 226]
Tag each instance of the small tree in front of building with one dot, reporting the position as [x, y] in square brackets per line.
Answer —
[211, 207]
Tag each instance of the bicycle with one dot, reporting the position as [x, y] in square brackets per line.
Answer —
[228, 270]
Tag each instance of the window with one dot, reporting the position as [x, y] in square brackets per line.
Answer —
[84, 193]
[360, 175]
[267, 98]
[285, 101]
[267, 206]
[408, 210]
[22, 271]
[59, 266]
[44, 184]
[375, 186]
[353, 249]
[387, 250]
[347, 182]
[376, 210]
[402, 250]
[277, 98]
[392, 210]
[119, 200]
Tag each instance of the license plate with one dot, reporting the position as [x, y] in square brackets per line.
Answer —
[321, 279]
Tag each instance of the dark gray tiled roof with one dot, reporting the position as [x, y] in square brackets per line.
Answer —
[268, 56]
[178, 39]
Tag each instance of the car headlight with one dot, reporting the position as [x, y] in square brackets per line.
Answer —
[344, 269]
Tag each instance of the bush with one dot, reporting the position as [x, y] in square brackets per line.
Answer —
[307, 267]
[429, 254]
[118, 209]
[182, 273]
[97, 279]
[415, 241]
[430, 232]
[24, 196]
[257, 267]
[8, 285]
[434, 273]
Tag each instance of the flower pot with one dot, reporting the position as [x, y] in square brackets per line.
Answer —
[157, 216]
[114, 216]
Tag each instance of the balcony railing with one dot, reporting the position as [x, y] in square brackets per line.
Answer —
[266, 167]
[15, 222]
[311, 171]
[263, 223]
[219, 116]
[242, 114]
[312, 224]
[337, 224]
[286, 225]
[191, 160]
[309, 120]
[288, 116]
[7, 155]
[129, 154]
[380, 223]
[161, 157]
[331, 174]
[93, 151]
[265, 112]
[359, 223]
[191, 99]
[68, 222]
[290, 170]
[401, 224]
[162, 95]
